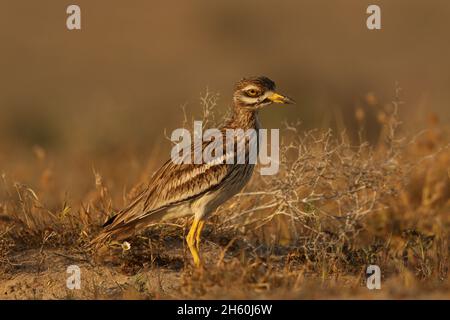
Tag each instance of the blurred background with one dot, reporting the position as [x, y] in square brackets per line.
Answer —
[113, 87]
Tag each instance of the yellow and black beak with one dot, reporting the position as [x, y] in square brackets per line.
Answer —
[278, 98]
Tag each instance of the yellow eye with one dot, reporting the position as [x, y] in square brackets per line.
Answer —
[252, 92]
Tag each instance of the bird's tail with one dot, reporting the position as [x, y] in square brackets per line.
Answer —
[124, 224]
[112, 234]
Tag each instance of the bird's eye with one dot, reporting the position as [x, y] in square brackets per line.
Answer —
[252, 92]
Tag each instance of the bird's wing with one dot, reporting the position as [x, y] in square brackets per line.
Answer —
[178, 183]
[172, 184]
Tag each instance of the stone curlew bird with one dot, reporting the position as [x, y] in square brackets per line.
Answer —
[178, 190]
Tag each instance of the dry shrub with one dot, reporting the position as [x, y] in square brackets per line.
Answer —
[337, 207]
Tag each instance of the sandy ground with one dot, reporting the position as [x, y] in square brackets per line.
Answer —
[36, 274]
[42, 274]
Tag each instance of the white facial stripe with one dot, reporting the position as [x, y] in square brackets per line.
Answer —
[251, 86]
[248, 100]
[255, 100]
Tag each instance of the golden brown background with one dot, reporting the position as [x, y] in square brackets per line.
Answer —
[122, 79]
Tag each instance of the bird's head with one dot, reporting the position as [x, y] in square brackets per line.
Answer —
[257, 92]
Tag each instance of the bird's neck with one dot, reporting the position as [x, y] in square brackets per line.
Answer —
[243, 118]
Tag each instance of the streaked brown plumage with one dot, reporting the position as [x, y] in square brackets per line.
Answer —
[177, 190]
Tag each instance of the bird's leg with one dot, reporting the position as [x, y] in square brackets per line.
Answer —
[201, 224]
[191, 241]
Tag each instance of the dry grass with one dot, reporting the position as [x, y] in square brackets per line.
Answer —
[336, 207]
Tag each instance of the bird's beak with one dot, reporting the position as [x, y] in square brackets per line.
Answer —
[278, 98]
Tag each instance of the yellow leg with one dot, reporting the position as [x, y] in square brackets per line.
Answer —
[201, 224]
[192, 238]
